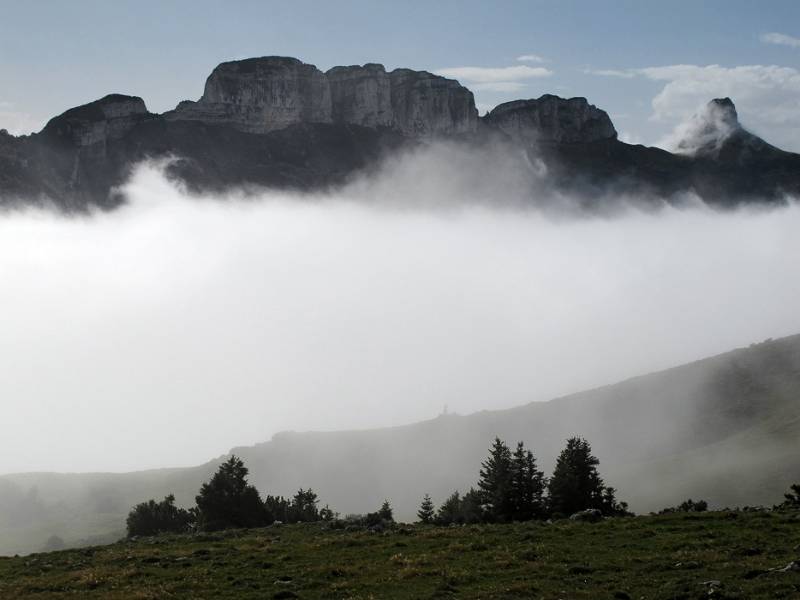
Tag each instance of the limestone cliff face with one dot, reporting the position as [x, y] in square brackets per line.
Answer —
[552, 119]
[361, 95]
[425, 104]
[259, 95]
[266, 94]
[92, 125]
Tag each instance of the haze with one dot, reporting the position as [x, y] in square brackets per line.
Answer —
[170, 330]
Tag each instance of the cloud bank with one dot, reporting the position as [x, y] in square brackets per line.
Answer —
[176, 327]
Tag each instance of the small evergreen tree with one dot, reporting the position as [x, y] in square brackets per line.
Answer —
[450, 510]
[426, 510]
[152, 518]
[495, 483]
[385, 512]
[228, 501]
[304, 507]
[576, 485]
[326, 514]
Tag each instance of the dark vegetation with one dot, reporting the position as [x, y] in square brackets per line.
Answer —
[227, 501]
[512, 488]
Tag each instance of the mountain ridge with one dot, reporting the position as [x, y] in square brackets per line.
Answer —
[281, 123]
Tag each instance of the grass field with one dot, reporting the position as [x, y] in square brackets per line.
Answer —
[683, 556]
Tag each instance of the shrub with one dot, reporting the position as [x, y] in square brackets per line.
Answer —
[152, 518]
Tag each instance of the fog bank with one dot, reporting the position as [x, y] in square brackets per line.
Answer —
[170, 330]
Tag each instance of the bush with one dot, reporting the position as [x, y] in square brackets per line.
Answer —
[152, 518]
[686, 506]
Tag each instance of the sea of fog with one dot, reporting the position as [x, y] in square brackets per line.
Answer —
[176, 327]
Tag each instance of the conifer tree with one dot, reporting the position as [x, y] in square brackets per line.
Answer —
[426, 510]
[527, 486]
[228, 501]
[576, 485]
[471, 510]
[495, 483]
[450, 510]
[385, 512]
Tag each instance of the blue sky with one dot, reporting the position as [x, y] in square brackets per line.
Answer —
[650, 65]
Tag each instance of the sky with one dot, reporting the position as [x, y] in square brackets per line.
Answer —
[650, 65]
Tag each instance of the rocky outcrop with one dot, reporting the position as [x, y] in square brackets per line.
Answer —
[93, 125]
[266, 94]
[550, 119]
[715, 133]
[361, 95]
[259, 95]
[424, 104]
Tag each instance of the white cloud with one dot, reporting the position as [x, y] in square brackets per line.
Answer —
[624, 73]
[534, 58]
[18, 122]
[500, 86]
[781, 39]
[495, 79]
[494, 74]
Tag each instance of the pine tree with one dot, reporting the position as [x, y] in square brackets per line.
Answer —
[152, 518]
[575, 484]
[228, 501]
[304, 507]
[426, 510]
[450, 510]
[386, 512]
[495, 483]
[471, 510]
[527, 486]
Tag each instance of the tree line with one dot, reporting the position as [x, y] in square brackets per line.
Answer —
[512, 488]
[226, 501]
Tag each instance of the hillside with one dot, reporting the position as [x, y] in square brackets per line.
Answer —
[687, 556]
[726, 429]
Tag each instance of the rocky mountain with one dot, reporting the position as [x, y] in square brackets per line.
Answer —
[279, 122]
[725, 429]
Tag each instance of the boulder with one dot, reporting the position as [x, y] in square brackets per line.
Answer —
[590, 515]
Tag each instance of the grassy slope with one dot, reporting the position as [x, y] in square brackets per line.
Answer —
[726, 429]
[663, 557]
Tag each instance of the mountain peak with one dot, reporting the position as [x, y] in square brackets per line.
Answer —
[710, 128]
